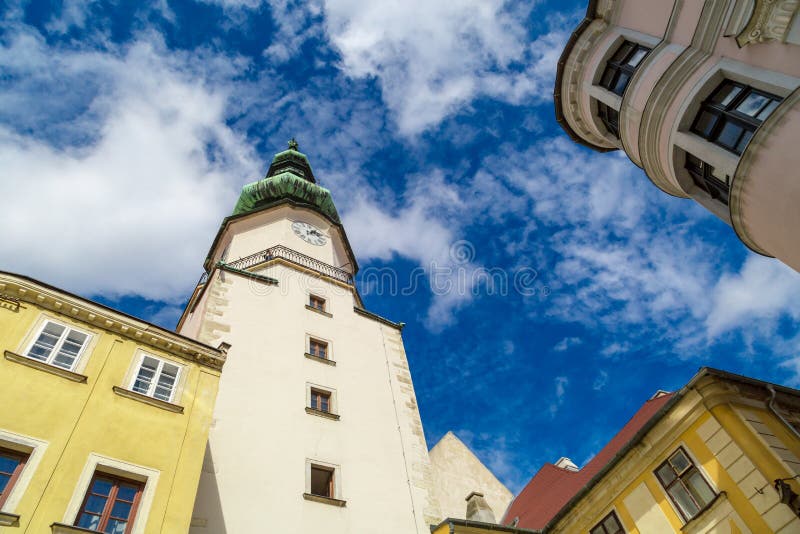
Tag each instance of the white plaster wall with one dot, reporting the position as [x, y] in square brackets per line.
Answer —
[457, 472]
[254, 473]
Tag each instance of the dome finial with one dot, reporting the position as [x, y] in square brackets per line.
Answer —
[293, 144]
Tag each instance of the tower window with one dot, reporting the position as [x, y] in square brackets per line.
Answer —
[322, 481]
[609, 525]
[684, 484]
[705, 178]
[610, 118]
[320, 400]
[11, 465]
[731, 115]
[317, 348]
[110, 504]
[622, 65]
[156, 378]
[318, 303]
[58, 345]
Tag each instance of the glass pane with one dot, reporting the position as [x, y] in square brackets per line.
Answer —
[705, 123]
[102, 487]
[683, 500]
[146, 373]
[115, 526]
[162, 393]
[767, 111]
[752, 104]
[324, 404]
[729, 136]
[623, 51]
[637, 57]
[622, 83]
[742, 144]
[608, 78]
[680, 462]
[3, 482]
[611, 524]
[665, 474]
[726, 94]
[597, 530]
[321, 481]
[700, 489]
[8, 464]
[95, 504]
[127, 493]
[89, 521]
[121, 510]
[46, 341]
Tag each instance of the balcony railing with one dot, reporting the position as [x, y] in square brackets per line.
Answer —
[292, 256]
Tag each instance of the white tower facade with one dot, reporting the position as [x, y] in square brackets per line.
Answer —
[316, 424]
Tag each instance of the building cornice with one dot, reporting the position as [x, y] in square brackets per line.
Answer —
[32, 291]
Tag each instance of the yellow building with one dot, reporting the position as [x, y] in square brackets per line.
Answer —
[722, 455]
[103, 417]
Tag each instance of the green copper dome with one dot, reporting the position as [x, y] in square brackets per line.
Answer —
[289, 177]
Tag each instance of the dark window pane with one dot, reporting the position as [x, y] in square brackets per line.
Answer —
[742, 144]
[726, 94]
[623, 51]
[705, 123]
[324, 404]
[611, 524]
[89, 521]
[666, 474]
[752, 104]
[683, 500]
[115, 526]
[95, 504]
[8, 464]
[729, 135]
[622, 83]
[608, 78]
[699, 488]
[767, 111]
[101, 486]
[680, 462]
[3, 482]
[321, 482]
[121, 510]
[637, 57]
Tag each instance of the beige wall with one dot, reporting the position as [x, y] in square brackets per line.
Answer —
[694, 47]
[457, 472]
[254, 475]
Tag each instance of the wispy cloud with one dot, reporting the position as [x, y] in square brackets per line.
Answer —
[567, 343]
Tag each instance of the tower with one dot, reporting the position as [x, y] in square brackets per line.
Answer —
[316, 425]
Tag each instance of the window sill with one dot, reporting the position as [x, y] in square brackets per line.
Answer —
[164, 405]
[696, 524]
[313, 309]
[320, 360]
[9, 520]
[63, 528]
[325, 500]
[320, 413]
[46, 367]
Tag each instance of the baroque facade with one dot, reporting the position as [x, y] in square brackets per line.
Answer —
[703, 96]
[103, 418]
[721, 455]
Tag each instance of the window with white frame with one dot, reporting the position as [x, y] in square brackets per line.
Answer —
[58, 345]
[156, 378]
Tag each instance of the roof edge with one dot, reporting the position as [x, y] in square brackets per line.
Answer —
[591, 12]
[492, 527]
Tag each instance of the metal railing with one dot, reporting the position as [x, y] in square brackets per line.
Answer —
[292, 256]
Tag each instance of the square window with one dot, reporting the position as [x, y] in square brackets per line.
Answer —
[318, 303]
[609, 525]
[318, 348]
[320, 400]
[58, 345]
[110, 504]
[685, 485]
[322, 481]
[11, 465]
[156, 378]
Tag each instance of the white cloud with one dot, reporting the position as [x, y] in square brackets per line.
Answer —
[125, 198]
[561, 383]
[601, 381]
[763, 290]
[567, 343]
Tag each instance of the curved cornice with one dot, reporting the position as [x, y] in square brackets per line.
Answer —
[742, 174]
[577, 34]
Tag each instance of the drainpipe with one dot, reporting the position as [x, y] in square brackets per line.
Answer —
[771, 406]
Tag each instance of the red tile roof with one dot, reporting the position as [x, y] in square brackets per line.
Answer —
[552, 487]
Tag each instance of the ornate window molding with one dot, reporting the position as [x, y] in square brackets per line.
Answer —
[769, 20]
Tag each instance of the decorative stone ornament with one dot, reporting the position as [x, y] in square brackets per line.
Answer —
[769, 21]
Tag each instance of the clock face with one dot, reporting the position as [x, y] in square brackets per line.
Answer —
[309, 233]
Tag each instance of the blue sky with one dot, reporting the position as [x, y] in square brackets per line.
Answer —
[128, 128]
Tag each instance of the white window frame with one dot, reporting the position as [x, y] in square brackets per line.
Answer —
[115, 467]
[35, 449]
[59, 344]
[151, 389]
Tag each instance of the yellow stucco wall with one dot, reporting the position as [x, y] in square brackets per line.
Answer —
[77, 420]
